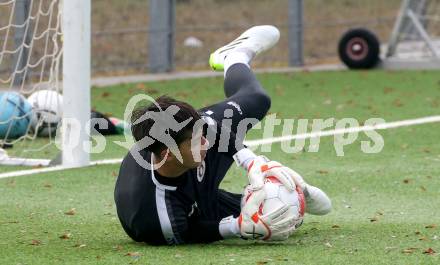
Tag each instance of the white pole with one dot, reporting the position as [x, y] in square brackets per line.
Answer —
[76, 82]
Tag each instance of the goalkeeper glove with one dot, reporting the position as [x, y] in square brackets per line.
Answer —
[278, 224]
[261, 167]
[317, 202]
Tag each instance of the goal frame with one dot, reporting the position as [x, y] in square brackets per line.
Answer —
[76, 75]
[76, 82]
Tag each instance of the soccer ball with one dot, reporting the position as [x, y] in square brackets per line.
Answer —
[48, 110]
[15, 115]
[277, 195]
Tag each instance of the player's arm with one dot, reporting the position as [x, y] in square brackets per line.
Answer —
[169, 224]
[182, 229]
[259, 167]
[244, 157]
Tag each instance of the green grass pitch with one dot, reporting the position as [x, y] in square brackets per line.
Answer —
[386, 205]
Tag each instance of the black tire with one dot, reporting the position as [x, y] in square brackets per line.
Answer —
[359, 49]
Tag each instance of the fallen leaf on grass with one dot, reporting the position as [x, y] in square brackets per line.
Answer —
[118, 247]
[279, 90]
[11, 183]
[9, 222]
[79, 245]
[152, 91]
[387, 90]
[71, 212]
[397, 103]
[429, 251]
[350, 102]
[66, 236]
[426, 150]
[36, 242]
[409, 250]
[374, 219]
[133, 254]
[431, 226]
[182, 94]
[388, 249]
[140, 86]
[422, 188]
[327, 102]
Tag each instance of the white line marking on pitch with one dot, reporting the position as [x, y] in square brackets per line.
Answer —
[382, 126]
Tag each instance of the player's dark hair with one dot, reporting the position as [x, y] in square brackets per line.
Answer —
[142, 129]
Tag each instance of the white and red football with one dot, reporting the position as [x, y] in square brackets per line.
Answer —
[276, 195]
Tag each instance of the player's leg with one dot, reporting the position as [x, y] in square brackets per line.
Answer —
[246, 104]
[246, 101]
[242, 87]
[246, 98]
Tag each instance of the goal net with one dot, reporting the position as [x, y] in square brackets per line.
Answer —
[44, 79]
[416, 35]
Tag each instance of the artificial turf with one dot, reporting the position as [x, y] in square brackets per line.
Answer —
[385, 204]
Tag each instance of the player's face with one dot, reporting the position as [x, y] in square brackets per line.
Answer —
[193, 150]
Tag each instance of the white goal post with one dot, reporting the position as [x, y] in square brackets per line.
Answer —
[45, 45]
[76, 82]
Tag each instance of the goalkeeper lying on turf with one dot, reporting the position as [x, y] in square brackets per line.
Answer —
[180, 201]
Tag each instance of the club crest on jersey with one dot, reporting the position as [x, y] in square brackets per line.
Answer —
[201, 171]
[235, 105]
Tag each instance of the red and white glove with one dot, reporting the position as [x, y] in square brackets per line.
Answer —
[318, 203]
[297, 178]
[261, 168]
[275, 225]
